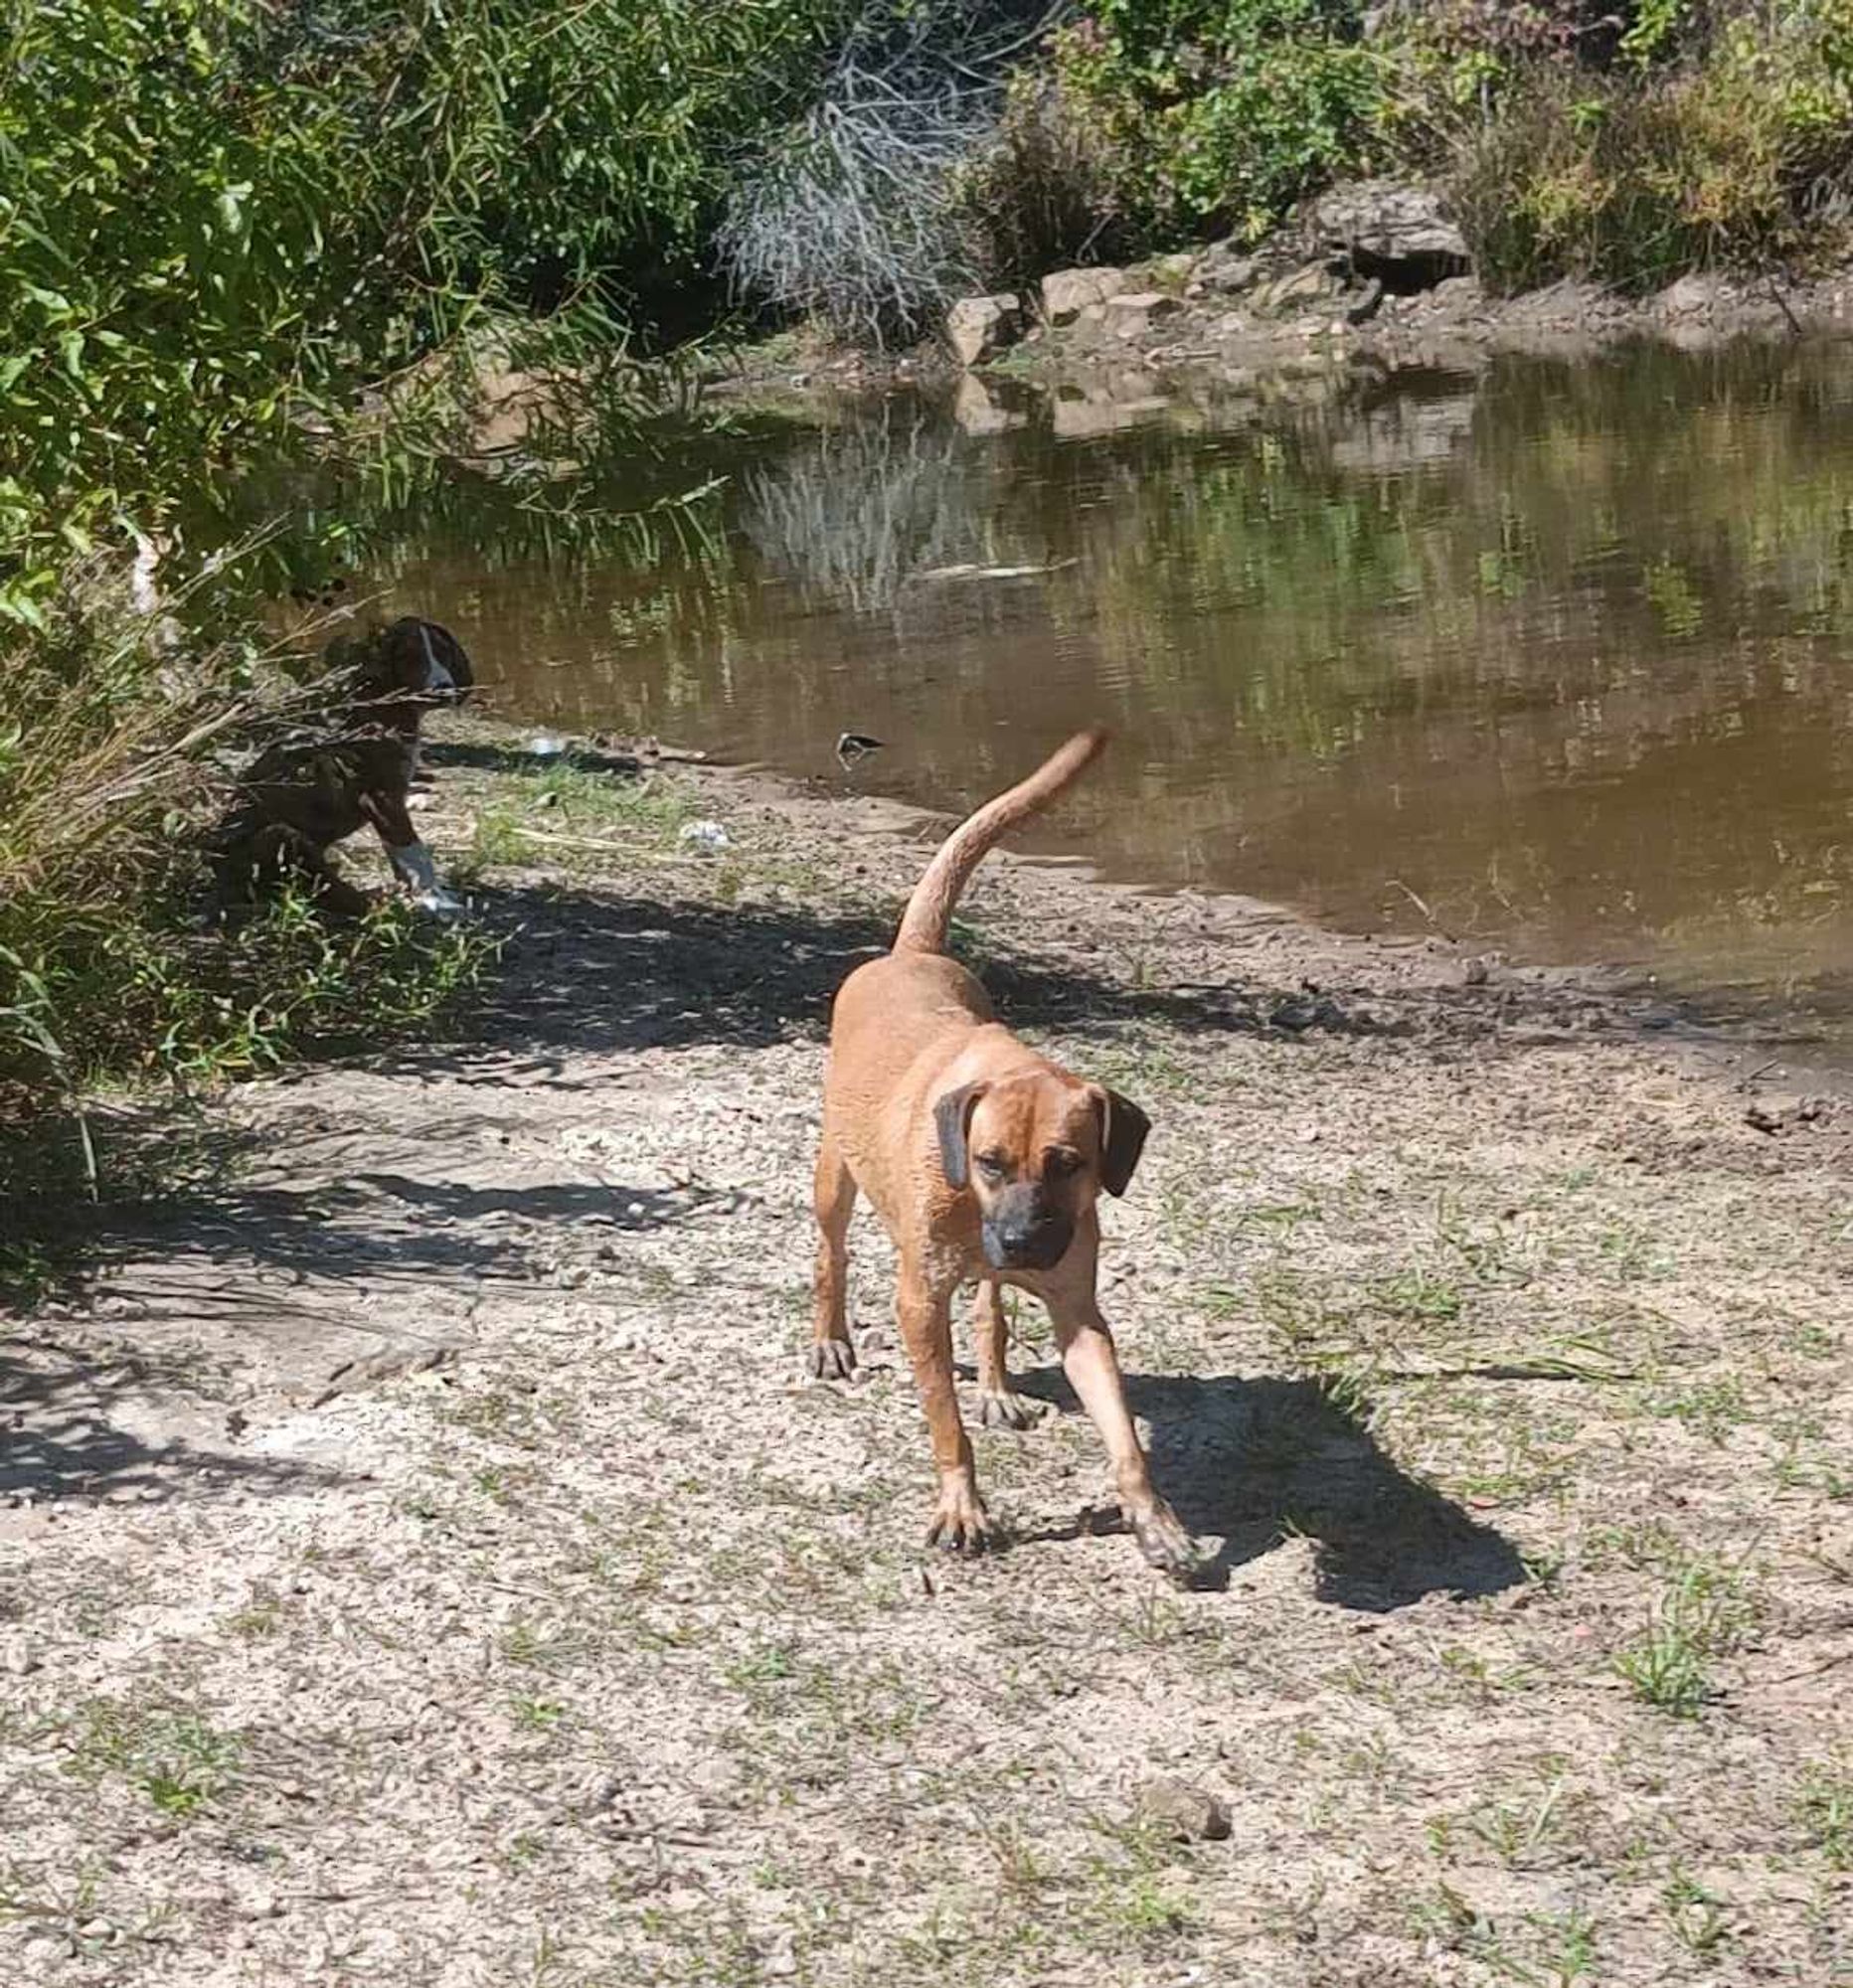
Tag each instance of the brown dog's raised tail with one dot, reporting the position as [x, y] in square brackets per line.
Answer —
[930, 910]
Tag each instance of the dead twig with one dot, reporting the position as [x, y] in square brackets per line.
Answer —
[1421, 905]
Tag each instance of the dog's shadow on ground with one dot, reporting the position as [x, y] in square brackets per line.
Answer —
[1252, 1462]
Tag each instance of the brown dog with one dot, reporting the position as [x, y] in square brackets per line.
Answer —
[351, 768]
[986, 1161]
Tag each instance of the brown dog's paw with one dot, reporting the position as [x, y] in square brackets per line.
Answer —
[830, 1360]
[1006, 1411]
[960, 1524]
[1166, 1545]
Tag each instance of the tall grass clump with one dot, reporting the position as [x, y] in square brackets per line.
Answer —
[1644, 142]
[115, 754]
[1044, 192]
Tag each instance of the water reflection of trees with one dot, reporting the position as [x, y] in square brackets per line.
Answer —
[1567, 641]
[853, 516]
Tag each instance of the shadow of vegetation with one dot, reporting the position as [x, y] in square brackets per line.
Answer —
[71, 1430]
[288, 1269]
[583, 972]
[1256, 1463]
[385, 1228]
[231, 1197]
[488, 757]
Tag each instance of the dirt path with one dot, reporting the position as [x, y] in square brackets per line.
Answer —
[421, 1564]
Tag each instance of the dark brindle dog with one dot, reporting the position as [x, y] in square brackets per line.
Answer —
[353, 768]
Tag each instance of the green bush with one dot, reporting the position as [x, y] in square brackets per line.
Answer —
[218, 218]
[214, 213]
[1625, 144]
[1044, 193]
[1217, 113]
[1740, 155]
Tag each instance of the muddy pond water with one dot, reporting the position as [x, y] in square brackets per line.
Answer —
[1555, 658]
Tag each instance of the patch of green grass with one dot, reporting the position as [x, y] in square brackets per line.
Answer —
[1130, 1901]
[1643, 1544]
[1630, 1253]
[1824, 1811]
[259, 1618]
[1145, 1912]
[1144, 1063]
[30, 1268]
[1419, 1295]
[1537, 1950]
[1710, 1409]
[1484, 1678]
[1666, 1666]
[531, 1646]
[1697, 1918]
[771, 1663]
[573, 817]
[1529, 1826]
[1704, 1612]
[176, 1758]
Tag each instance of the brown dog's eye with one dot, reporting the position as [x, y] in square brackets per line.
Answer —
[1062, 1161]
[990, 1165]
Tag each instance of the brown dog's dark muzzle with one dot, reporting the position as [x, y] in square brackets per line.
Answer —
[1021, 1233]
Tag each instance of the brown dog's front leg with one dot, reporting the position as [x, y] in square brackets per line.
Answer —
[1000, 1407]
[1092, 1364]
[959, 1523]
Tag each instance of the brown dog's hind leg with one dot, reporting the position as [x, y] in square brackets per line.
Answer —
[1000, 1407]
[831, 1356]
[958, 1522]
[1093, 1368]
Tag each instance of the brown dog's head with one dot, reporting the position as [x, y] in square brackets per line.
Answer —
[418, 658]
[1035, 1151]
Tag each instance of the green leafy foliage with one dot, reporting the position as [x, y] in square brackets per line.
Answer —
[1218, 113]
[216, 215]
[1624, 143]
[237, 238]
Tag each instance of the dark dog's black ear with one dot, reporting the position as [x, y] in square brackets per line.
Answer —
[952, 1117]
[390, 659]
[1123, 1127]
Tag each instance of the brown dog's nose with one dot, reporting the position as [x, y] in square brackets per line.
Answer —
[1022, 1233]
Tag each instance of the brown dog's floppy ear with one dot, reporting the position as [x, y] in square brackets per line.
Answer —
[1123, 1127]
[952, 1117]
